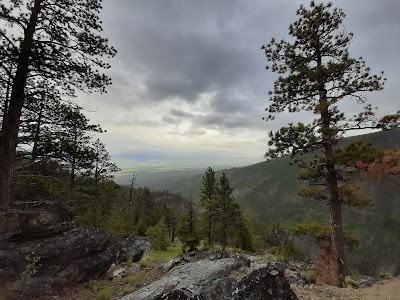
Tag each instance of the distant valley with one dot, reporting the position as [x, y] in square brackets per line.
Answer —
[268, 191]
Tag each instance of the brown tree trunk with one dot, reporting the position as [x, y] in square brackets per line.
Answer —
[331, 186]
[12, 117]
[224, 237]
[36, 137]
[337, 241]
[209, 227]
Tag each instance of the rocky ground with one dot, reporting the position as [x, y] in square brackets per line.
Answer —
[41, 251]
[385, 289]
[388, 289]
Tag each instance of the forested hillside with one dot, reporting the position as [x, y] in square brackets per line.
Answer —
[268, 191]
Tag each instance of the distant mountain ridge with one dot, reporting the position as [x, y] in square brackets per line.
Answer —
[263, 182]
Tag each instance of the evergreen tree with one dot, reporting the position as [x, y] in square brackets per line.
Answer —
[70, 142]
[227, 210]
[316, 74]
[143, 205]
[55, 42]
[188, 230]
[207, 197]
[159, 235]
[102, 168]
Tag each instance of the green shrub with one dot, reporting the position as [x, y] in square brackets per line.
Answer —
[309, 275]
[31, 267]
[104, 294]
[159, 235]
[350, 281]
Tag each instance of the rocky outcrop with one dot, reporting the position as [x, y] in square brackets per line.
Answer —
[266, 283]
[35, 224]
[211, 279]
[131, 247]
[197, 279]
[41, 251]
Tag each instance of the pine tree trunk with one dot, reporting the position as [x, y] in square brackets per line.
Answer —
[224, 237]
[337, 241]
[331, 186]
[209, 228]
[12, 117]
[36, 137]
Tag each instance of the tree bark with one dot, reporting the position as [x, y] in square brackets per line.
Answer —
[12, 117]
[209, 227]
[331, 186]
[36, 136]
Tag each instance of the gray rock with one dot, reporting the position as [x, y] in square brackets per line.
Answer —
[176, 261]
[61, 257]
[265, 283]
[19, 226]
[118, 273]
[201, 279]
[210, 280]
[131, 246]
[180, 294]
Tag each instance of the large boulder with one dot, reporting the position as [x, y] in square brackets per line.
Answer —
[80, 250]
[34, 224]
[204, 279]
[265, 283]
[41, 251]
[211, 280]
[131, 247]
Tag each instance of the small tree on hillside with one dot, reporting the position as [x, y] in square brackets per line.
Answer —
[316, 74]
[228, 213]
[159, 235]
[207, 197]
[189, 229]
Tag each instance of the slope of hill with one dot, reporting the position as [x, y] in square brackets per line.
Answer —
[268, 191]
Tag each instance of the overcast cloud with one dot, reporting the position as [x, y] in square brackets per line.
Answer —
[189, 79]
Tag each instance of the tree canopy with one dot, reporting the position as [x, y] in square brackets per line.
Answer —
[48, 50]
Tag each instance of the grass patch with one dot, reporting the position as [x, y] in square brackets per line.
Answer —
[132, 278]
[350, 281]
[152, 255]
[309, 275]
[269, 257]
[129, 289]
[104, 294]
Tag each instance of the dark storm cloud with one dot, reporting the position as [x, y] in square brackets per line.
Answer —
[177, 50]
[182, 49]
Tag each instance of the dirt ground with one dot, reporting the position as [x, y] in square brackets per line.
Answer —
[388, 289]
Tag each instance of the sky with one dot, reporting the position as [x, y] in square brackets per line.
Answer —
[189, 79]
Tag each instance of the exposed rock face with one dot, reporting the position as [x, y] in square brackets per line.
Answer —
[131, 246]
[176, 261]
[265, 283]
[210, 280]
[29, 225]
[180, 294]
[54, 254]
[197, 280]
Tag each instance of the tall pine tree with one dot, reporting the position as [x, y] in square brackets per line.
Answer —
[207, 200]
[52, 41]
[316, 74]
